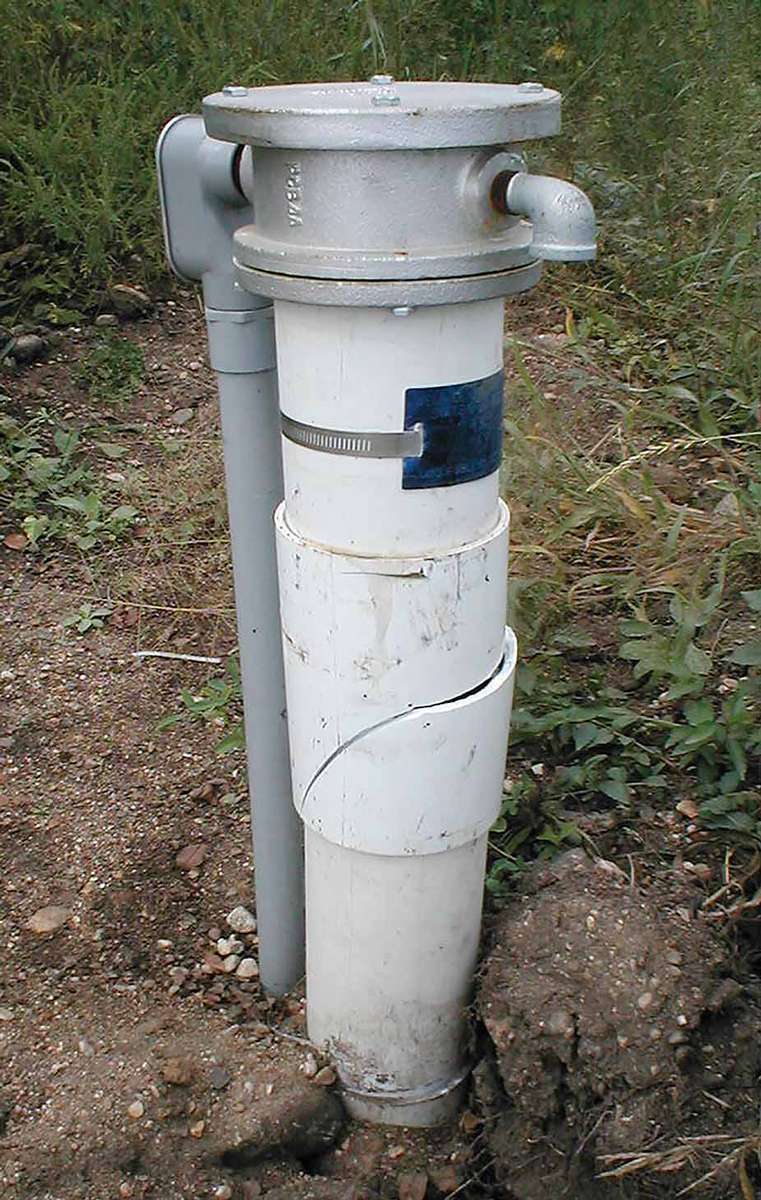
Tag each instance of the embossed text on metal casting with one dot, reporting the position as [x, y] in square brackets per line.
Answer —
[293, 194]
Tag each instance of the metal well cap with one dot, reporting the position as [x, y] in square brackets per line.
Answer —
[412, 116]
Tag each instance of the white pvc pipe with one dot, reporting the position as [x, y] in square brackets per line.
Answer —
[399, 676]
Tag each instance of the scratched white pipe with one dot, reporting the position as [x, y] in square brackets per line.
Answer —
[399, 676]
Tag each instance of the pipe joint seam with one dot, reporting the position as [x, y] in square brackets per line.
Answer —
[241, 342]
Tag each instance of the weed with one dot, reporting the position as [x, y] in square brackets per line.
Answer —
[111, 371]
[88, 617]
[47, 485]
[218, 701]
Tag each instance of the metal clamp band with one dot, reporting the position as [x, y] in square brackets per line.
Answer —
[408, 443]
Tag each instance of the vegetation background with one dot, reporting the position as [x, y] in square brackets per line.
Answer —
[637, 501]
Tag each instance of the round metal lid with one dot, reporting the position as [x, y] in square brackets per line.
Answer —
[382, 115]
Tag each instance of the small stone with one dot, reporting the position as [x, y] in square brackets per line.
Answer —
[85, 1048]
[325, 1077]
[219, 1077]
[28, 348]
[412, 1185]
[178, 975]
[240, 920]
[681, 1020]
[212, 963]
[223, 1192]
[248, 968]
[197, 1128]
[103, 320]
[230, 963]
[688, 808]
[227, 946]
[645, 1001]
[126, 1190]
[178, 1071]
[560, 1024]
[395, 1151]
[131, 301]
[674, 957]
[6, 1014]
[136, 1110]
[728, 508]
[191, 856]
[181, 416]
[678, 1038]
[310, 1067]
[48, 919]
[195, 365]
[682, 1055]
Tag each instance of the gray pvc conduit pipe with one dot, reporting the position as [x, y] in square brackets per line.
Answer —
[242, 352]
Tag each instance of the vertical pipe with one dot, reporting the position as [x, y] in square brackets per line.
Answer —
[242, 353]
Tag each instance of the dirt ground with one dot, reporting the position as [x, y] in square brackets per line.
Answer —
[95, 807]
[134, 1064]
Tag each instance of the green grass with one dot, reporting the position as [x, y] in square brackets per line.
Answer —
[615, 482]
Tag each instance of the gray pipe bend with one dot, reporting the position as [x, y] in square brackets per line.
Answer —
[562, 216]
[253, 468]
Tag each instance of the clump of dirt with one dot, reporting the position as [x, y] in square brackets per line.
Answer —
[617, 1033]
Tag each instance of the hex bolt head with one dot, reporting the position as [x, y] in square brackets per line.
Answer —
[386, 95]
[234, 89]
[531, 86]
[402, 310]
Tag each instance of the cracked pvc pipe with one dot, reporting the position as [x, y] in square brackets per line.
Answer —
[388, 266]
[202, 185]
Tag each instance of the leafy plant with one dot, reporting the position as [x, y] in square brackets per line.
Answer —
[749, 654]
[670, 651]
[219, 701]
[88, 617]
[530, 827]
[112, 370]
[56, 495]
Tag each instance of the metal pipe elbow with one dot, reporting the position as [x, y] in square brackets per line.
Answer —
[561, 215]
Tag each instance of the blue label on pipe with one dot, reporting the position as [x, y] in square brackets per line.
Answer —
[462, 432]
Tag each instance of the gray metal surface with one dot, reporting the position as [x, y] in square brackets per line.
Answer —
[408, 443]
[390, 293]
[384, 115]
[404, 214]
[563, 222]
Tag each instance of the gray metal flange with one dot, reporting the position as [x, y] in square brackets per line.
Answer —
[381, 193]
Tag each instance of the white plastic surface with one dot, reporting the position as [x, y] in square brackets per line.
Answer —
[367, 639]
[349, 369]
[422, 783]
[391, 949]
